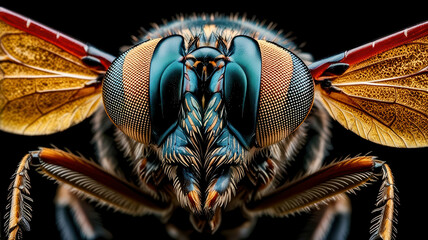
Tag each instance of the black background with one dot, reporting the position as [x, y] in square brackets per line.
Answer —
[324, 29]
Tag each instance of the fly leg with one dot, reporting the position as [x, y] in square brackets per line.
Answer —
[90, 180]
[327, 184]
[383, 227]
[19, 215]
[84, 178]
[76, 218]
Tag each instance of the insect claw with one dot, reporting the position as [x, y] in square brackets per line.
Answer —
[378, 164]
[32, 155]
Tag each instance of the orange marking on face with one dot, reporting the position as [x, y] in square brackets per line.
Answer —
[194, 200]
[211, 199]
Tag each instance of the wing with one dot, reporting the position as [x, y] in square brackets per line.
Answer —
[380, 90]
[48, 81]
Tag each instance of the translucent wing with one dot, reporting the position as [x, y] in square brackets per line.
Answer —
[48, 81]
[380, 90]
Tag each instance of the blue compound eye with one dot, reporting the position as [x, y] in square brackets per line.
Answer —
[268, 91]
[142, 89]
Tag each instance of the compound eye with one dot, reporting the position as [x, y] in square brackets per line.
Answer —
[126, 91]
[139, 84]
[286, 94]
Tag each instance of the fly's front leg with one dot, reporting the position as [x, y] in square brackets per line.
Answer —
[383, 227]
[83, 177]
[88, 179]
[19, 215]
[327, 184]
[75, 217]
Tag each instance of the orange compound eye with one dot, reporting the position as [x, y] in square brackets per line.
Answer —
[126, 91]
[142, 89]
[268, 91]
[286, 94]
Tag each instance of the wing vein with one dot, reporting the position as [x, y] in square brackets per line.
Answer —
[374, 122]
[95, 96]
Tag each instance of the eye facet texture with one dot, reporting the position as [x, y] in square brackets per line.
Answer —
[126, 91]
[268, 91]
[286, 94]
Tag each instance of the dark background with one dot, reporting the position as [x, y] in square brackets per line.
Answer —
[325, 29]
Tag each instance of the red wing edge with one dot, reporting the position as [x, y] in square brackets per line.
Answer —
[338, 64]
[94, 58]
